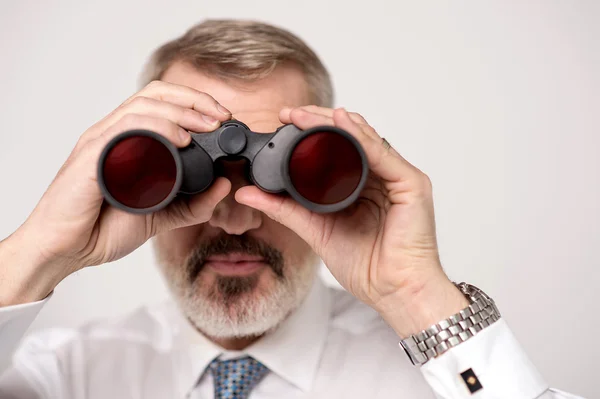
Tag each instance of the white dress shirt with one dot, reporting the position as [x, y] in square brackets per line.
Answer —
[333, 346]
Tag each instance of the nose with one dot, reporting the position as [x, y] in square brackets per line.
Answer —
[229, 215]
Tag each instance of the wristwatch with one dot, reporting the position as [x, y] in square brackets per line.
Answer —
[448, 333]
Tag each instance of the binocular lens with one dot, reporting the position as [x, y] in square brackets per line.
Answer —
[139, 171]
[325, 168]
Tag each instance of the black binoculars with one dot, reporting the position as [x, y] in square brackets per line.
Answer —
[323, 168]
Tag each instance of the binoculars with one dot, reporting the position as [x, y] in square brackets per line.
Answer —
[323, 168]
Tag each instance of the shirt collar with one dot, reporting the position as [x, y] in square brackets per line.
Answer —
[293, 350]
[195, 352]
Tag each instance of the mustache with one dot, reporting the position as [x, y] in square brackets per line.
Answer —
[224, 244]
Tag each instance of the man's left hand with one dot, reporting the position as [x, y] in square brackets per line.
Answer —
[383, 249]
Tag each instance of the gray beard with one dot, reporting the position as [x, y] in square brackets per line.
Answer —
[232, 307]
[236, 307]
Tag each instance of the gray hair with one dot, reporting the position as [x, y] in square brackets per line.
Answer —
[242, 50]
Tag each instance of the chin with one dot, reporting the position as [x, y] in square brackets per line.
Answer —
[243, 306]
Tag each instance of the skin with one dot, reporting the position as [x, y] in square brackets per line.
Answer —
[383, 250]
[258, 106]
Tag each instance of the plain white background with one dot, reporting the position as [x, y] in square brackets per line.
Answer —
[498, 102]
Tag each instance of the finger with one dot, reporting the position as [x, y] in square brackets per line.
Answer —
[389, 165]
[83, 163]
[185, 117]
[195, 210]
[386, 163]
[80, 171]
[284, 114]
[184, 96]
[181, 96]
[304, 119]
[171, 131]
[286, 211]
[285, 117]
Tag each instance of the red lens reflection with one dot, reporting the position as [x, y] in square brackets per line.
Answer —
[139, 172]
[325, 168]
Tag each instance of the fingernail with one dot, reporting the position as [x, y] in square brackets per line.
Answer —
[183, 134]
[209, 119]
[223, 110]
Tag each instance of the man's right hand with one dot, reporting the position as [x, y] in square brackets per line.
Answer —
[72, 227]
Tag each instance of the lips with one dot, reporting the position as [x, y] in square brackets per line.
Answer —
[235, 264]
[235, 257]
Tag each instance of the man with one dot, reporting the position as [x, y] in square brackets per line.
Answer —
[250, 316]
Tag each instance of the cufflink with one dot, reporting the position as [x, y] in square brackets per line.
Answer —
[471, 380]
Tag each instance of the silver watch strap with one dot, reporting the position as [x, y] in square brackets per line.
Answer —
[440, 337]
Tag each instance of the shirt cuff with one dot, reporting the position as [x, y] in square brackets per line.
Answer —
[491, 364]
[14, 322]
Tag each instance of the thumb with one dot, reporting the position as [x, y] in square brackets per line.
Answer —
[286, 211]
[195, 210]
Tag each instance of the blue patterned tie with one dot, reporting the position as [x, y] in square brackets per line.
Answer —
[235, 378]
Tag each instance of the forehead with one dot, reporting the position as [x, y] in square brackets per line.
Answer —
[258, 103]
